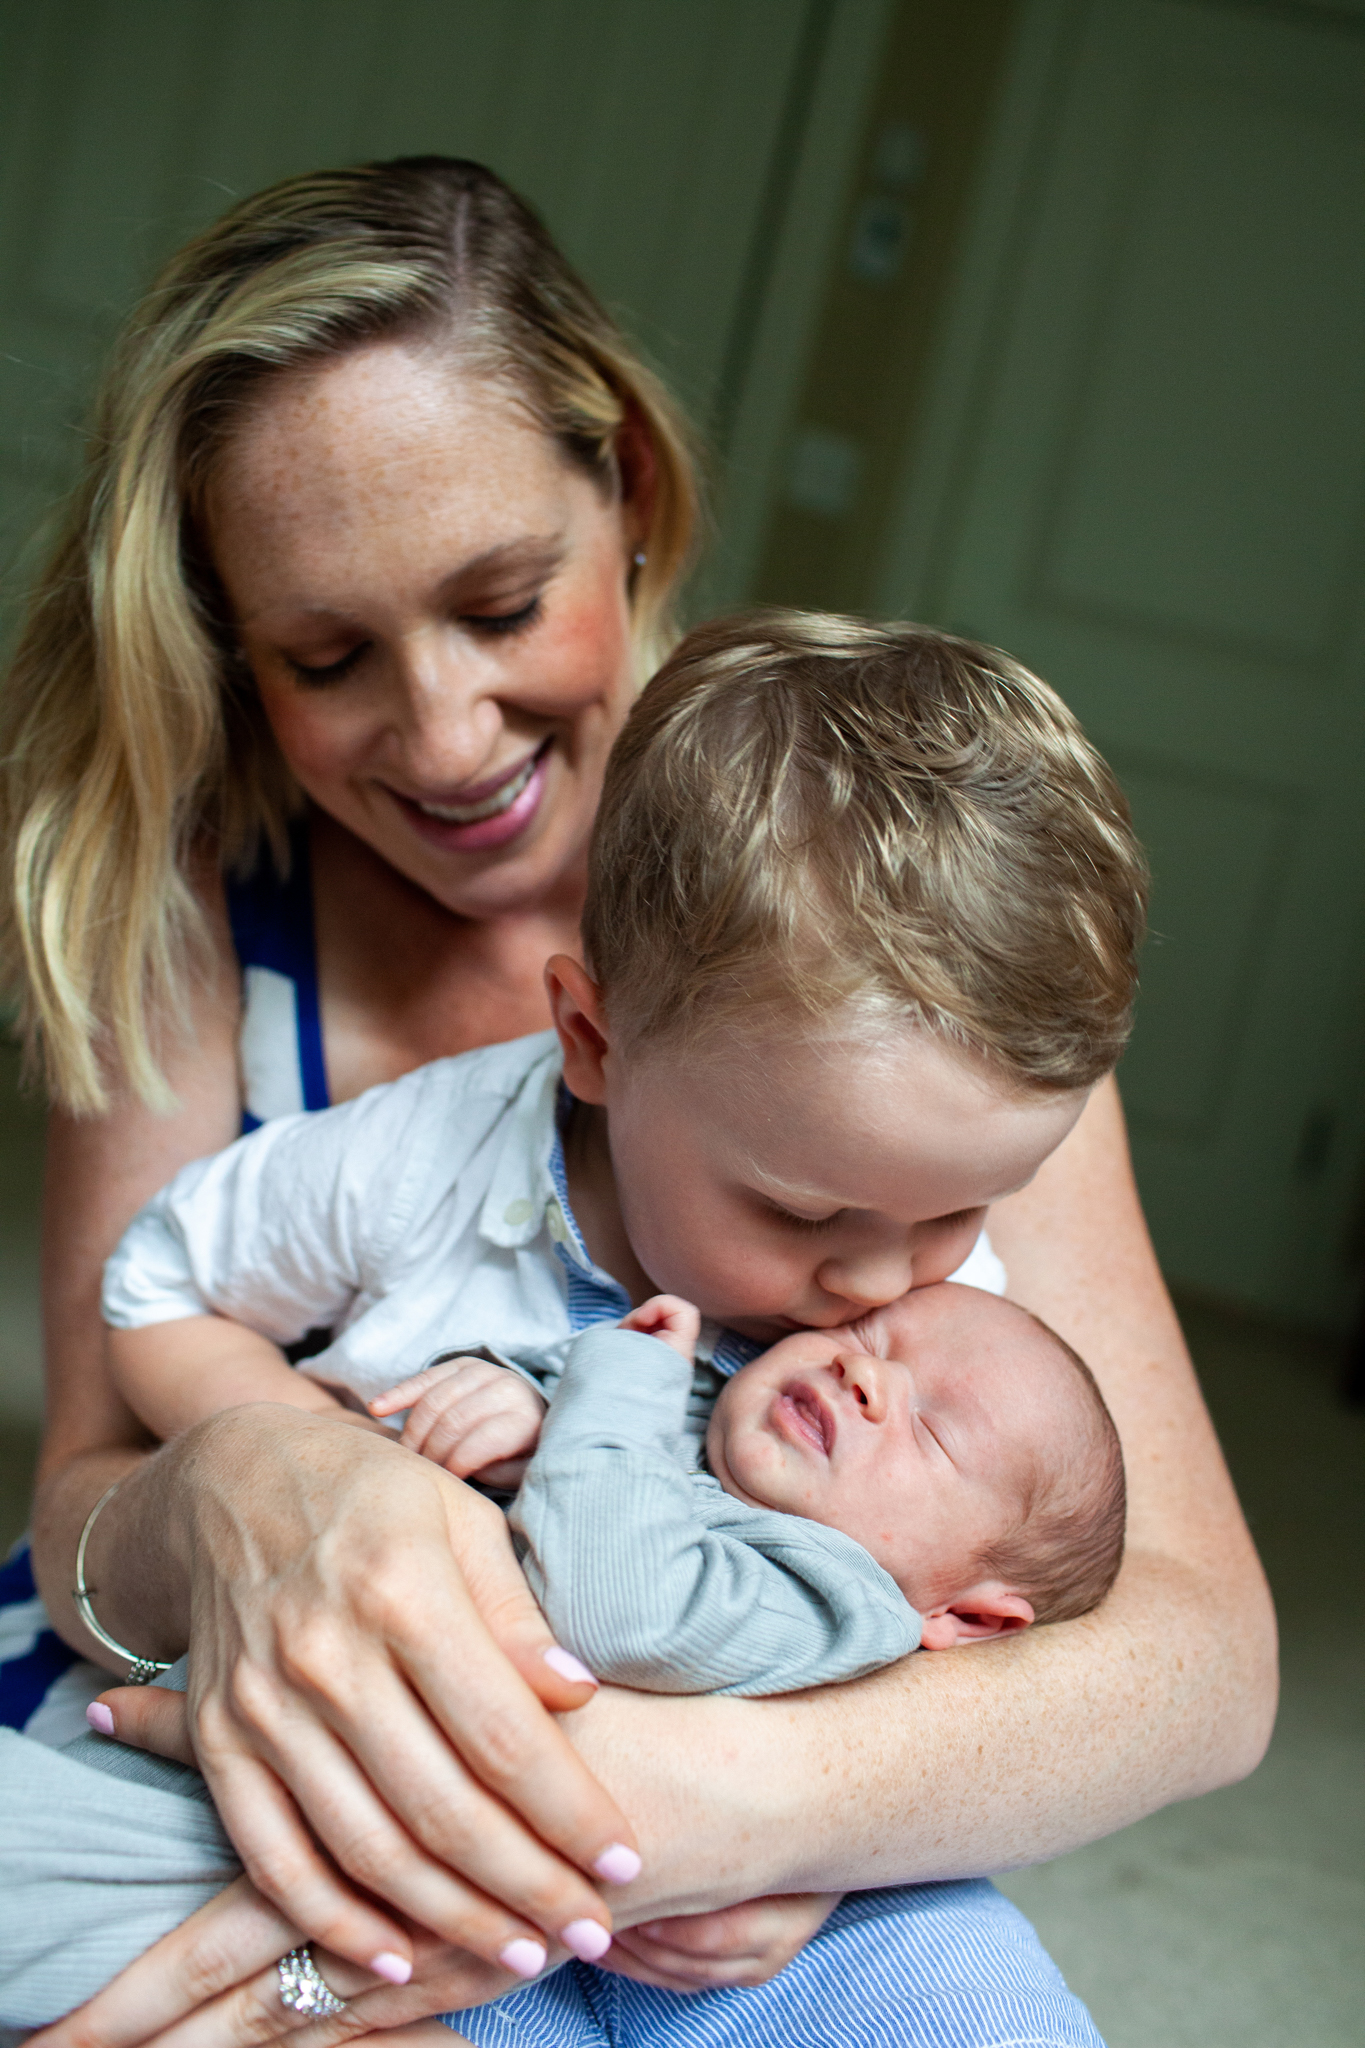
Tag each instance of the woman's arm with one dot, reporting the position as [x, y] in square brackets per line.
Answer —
[189, 1536]
[99, 1172]
[955, 1765]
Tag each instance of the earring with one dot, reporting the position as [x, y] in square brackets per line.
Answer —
[640, 558]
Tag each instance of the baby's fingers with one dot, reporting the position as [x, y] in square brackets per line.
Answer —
[668, 1317]
[491, 1440]
[409, 1391]
[447, 1409]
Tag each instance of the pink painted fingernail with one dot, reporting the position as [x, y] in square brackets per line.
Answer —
[586, 1939]
[99, 1717]
[524, 1958]
[568, 1666]
[393, 1969]
[617, 1864]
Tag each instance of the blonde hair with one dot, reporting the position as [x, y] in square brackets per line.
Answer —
[817, 813]
[128, 735]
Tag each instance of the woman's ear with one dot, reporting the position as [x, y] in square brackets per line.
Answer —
[975, 1616]
[638, 467]
[576, 1006]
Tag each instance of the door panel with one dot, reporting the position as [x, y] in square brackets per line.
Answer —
[1226, 378]
[1158, 501]
[1219, 851]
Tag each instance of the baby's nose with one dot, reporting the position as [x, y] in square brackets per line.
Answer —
[861, 1376]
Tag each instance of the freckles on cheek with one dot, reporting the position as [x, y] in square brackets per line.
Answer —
[589, 652]
[312, 741]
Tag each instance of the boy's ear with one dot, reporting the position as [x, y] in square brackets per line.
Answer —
[576, 1006]
[980, 1613]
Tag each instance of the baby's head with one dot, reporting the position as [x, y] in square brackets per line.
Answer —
[954, 1436]
[861, 927]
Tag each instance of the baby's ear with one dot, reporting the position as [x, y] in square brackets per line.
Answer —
[980, 1613]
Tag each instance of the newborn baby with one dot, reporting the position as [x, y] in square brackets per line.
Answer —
[943, 1471]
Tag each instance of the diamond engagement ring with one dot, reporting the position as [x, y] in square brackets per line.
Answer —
[302, 1988]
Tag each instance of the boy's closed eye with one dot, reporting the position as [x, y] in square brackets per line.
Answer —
[790, 1220]
[474, 1418]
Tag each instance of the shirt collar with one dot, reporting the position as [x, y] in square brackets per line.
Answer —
[521, 1190]
[728, 1350]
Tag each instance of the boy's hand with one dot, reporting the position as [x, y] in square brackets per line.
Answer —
[473, 1418]
[669, 1318]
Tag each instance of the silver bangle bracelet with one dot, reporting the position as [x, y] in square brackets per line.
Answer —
[145, 1669]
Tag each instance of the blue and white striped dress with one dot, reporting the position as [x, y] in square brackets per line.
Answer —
[916, 1966]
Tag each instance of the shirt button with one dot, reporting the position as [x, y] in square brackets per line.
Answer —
[520, 1211]
[555, 1223]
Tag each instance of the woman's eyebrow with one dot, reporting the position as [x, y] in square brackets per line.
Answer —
[530, 556]
[533, 556]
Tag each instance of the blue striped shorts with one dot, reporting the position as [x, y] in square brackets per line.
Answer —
[921, 1966]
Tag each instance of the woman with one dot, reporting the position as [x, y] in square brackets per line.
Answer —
[379, 508]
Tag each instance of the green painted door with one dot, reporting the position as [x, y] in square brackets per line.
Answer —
[1143, 471]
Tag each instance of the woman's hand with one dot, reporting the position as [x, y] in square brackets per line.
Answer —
[213, 1983]
[745, 1944]
[370, 1669]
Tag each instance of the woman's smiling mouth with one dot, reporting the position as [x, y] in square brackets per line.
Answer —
[486, 803]
[492, 813]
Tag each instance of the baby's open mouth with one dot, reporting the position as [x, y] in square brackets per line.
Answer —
[807, 1415]
[502, 798]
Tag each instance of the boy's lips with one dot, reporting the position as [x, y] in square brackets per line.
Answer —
[802, 1415]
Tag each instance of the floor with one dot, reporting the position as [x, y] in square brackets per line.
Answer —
[1237, 1921]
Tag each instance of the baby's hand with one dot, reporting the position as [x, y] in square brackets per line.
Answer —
[669, 1318]
[472, 1417]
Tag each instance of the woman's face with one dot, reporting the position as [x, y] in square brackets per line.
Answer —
[434, 606]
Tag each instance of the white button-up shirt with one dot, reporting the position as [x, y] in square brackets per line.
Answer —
[428, 1215]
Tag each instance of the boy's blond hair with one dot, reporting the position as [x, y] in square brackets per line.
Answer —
[815, 813]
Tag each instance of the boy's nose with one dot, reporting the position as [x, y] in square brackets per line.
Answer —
[870, 1279]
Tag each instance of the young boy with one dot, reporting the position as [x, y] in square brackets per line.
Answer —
[862, 918]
